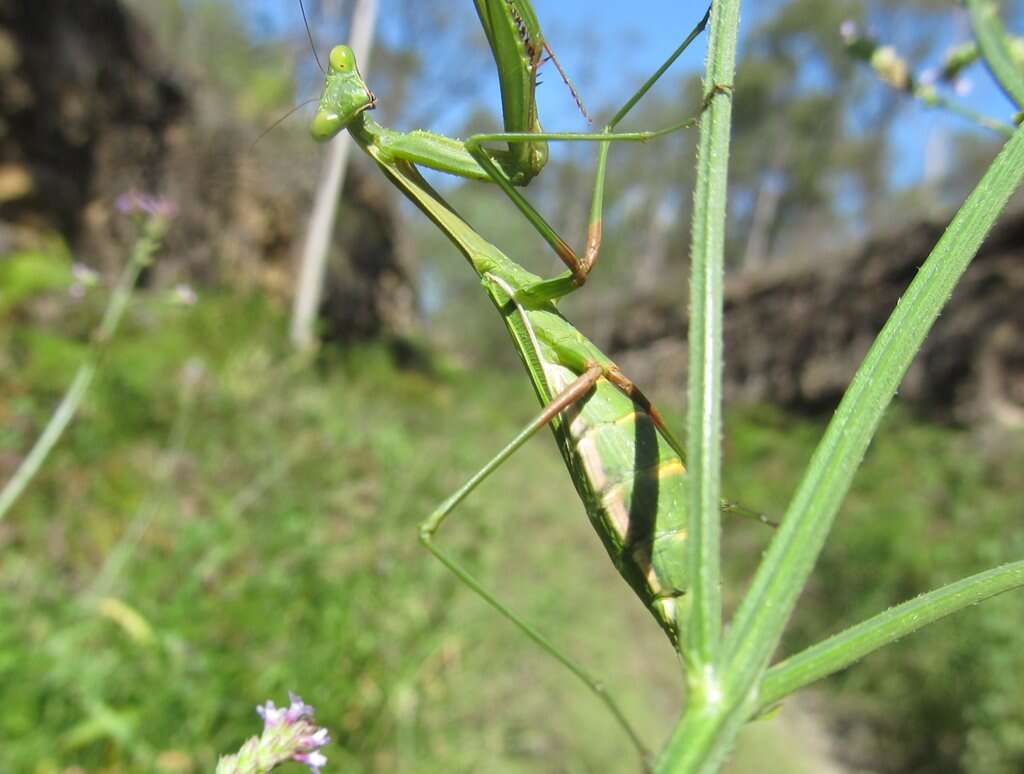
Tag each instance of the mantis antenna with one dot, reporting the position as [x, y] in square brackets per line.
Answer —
[312, 45]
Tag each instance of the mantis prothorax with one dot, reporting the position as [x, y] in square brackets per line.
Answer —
[625, 464]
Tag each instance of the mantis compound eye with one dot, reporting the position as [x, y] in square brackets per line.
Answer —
[342, 59]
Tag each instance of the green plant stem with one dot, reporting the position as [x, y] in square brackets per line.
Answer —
[995, 49]
[703, 737]
[717, 710]
[700, 736]
[930, 97]
[704, 387]
[140, 257]
[764, 611]
[62, 416]
[845, 648]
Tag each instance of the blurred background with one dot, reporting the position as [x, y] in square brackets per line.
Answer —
[226, 520]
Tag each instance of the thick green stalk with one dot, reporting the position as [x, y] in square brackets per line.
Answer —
[704, 389]
[759, 622]
[718, 708]
[704, 735]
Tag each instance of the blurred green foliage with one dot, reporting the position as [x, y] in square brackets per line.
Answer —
[232, 74]
[222, 524]
[31, 272]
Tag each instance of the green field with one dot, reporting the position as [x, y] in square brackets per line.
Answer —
[223, 523]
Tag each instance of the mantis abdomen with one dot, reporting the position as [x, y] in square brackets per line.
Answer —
[627, 472]
[632, 485]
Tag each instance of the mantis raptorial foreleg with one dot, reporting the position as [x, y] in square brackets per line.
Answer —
[474, 160]
[579, 266]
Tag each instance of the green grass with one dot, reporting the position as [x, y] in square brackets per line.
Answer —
[220, 526]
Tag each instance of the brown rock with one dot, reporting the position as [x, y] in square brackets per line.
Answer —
[794, 337]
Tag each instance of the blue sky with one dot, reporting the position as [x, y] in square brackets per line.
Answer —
[629, 36]
[609, 46]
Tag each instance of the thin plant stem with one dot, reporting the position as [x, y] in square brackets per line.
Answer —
[995, 48]
[140, 257]
[933, 99]
[845, 648]
[724, 694]
[62, 416]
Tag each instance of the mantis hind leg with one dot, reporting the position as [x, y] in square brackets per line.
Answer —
[432, 524]
[628, 387]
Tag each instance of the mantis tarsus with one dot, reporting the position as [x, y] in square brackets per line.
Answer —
[625, 464]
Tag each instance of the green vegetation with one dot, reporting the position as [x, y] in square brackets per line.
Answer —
[225, 522]
[219, 526]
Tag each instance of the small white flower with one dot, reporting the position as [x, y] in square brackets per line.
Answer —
[83, 275]
[849, 30]
[185, 295]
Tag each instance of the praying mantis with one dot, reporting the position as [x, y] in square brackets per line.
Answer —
[623, 460]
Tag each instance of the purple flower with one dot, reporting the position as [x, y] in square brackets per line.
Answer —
[289, 733]
[83, 274]
[315, 760]
[317, 739]
[297, 709]
[133, 202]
[271, 715]
[82, 278]
[849, 30]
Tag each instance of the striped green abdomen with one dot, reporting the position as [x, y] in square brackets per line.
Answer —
[632, 481]
[629, 476]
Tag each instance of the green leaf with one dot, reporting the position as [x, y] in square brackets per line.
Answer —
[843, 649]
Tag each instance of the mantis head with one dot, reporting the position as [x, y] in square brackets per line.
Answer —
[344, 97]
